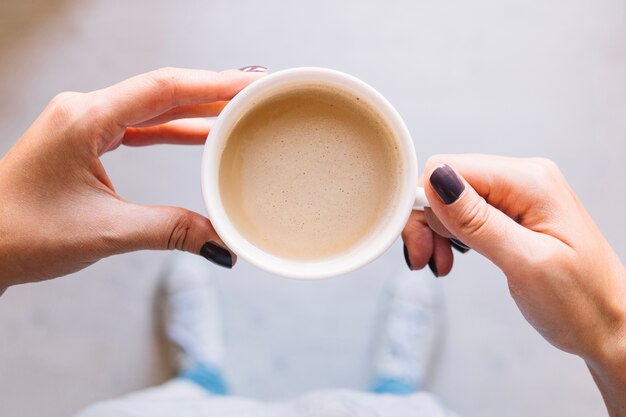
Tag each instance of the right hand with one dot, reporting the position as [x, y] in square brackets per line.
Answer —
[522, 215]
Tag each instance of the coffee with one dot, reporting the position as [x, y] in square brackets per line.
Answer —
[309, 173]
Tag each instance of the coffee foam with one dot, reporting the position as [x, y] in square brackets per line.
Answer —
[309, 173]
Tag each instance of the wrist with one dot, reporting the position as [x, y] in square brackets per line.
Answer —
[609, 373]
[611, 383]
[607, 364]
[609, 344]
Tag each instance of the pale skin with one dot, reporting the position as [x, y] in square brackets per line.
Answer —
[59, 213]
[562, 273]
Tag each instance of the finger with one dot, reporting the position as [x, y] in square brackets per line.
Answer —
[458, 246]
[186, 112]
[418, 241]
[435, 224]
[441, 260]
[160, 227]
[146, 96]
[179, 132]
[511, 184]
[472, 220]
[423, 247]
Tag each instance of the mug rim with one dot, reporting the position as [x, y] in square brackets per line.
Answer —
[293, 268]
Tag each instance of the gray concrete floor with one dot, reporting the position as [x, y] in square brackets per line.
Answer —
[540, 77]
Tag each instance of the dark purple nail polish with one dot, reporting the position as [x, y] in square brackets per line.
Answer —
[447, 184]
[406, 258]
[458, 245]
[217, 254]
[433, 266]
[253, 68]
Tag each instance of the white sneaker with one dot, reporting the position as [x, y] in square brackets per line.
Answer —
[192, 315]
[409, 334]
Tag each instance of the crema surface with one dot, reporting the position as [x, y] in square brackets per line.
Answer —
[310, 173]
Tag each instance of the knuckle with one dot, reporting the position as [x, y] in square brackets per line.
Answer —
[221, 85]
[166, 79]
[180, 232]
[63, 97]
[63, 106]
[164, 73]
[545, 169]
[474, 217]
[547, 163]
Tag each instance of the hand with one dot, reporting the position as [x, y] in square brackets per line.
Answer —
[59, 211]
[522, 215]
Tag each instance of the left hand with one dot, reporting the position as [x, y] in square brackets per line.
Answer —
[59, 211]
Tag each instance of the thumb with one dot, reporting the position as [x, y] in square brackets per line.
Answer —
[163, 227]
[469, 217]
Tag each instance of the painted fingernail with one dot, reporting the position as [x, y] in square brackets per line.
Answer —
[458, 245]
[447, 184]
[406, 258]
[217, 254]
[433, 267]
[253, 68]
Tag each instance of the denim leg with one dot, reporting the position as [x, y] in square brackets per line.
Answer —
[394, 386]
[207, 377]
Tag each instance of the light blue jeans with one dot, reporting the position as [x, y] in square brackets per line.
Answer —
[213, 382]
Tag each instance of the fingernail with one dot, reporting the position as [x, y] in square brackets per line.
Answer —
[458, 245]
[253, 68]
[217, 254]
[447, 184]
[433, 266]
[406, 258]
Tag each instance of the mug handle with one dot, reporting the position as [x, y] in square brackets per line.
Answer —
[420, 199]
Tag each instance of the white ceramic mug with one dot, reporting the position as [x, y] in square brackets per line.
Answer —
[361, 254]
